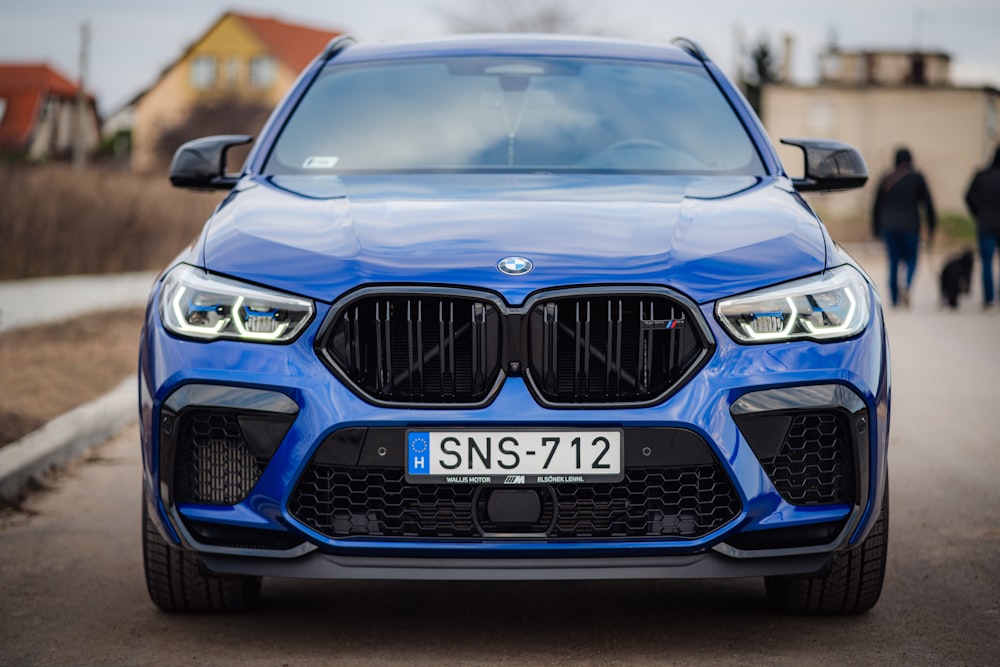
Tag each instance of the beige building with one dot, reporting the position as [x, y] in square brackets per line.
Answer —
[251, 58]
[877, 102]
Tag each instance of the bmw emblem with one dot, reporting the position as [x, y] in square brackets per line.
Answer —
[515, 266]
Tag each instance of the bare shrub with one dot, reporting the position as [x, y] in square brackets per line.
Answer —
[223, 115]
[57, 221]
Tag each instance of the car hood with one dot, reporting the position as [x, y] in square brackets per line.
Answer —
[322, 236]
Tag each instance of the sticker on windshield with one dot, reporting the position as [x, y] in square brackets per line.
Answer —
[320, 162]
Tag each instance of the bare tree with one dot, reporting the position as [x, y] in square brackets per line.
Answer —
[221, 115]
[762, 72]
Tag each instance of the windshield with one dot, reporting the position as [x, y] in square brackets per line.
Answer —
[471, 114]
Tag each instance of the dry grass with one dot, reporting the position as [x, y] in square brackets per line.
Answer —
[56, 221]
[50, 369]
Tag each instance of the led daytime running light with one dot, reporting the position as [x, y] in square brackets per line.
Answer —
[195, 304]
[829, 306]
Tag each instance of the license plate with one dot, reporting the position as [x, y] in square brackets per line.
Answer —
[513, 457]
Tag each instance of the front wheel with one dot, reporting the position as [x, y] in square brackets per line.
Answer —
[176, 583]
[851, 585]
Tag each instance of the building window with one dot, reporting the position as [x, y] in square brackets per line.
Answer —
[203, 72]
[232, 75]
[263, 71]
[918, 73]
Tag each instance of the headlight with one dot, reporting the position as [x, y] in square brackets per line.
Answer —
[196, 304]
[835, 304]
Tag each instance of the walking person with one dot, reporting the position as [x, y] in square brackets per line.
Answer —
[983, 200]
[896, 219]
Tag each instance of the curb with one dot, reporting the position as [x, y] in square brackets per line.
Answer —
[65, 438]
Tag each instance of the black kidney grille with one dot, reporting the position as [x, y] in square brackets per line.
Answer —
[421, 349]
[577, 347]
[344, 501]
[214, 464]
[815, 465]
[610, 349]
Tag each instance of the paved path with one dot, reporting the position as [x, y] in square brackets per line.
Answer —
[41, 300]
[38, 301]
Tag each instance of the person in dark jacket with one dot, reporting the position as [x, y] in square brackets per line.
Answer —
[896, 219]
[983, 200]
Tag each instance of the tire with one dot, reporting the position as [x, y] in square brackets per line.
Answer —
[176, 583]
[852, 583]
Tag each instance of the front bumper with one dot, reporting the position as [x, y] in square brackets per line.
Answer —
[293, 404]
[710, 565]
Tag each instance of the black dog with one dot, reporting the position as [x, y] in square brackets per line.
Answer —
[956, 276]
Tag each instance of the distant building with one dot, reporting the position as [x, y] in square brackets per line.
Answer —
[884, 68]
[240, 56]
[38, 113]
[878, 101]
[116, 131]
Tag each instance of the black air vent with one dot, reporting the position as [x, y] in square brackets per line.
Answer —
[815, 465]
[215, 464]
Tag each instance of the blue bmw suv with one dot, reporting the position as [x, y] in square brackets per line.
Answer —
[514, 307]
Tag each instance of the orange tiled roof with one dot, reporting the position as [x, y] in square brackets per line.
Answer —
[24, 86]
[295, 45]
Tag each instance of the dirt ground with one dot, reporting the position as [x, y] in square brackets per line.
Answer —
[50, 369]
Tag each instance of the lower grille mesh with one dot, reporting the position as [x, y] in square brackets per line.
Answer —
[814, 465]
[343, 501]
[215, 465]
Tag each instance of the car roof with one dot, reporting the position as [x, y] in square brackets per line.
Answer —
[517, 45]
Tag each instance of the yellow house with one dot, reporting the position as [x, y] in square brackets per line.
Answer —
[240, 57]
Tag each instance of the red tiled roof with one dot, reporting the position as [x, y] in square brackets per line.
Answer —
[294, 45]
[24, 86]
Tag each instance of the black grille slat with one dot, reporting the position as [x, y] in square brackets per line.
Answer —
[355, 363]
[441, 350]
[414, 353]
[479, 348]
[381, 347]
[550, 342]
[645, 336]
[448, 352]
[613, 373]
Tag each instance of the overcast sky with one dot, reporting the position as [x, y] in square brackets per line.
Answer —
[132, 40]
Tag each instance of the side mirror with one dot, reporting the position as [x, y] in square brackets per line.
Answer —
[201, 164]
[830, 165]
